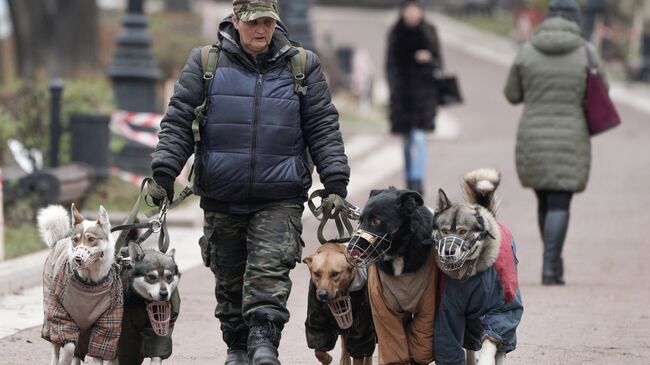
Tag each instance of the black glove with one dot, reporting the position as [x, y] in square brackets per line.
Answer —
[337, 187]
[164, 181]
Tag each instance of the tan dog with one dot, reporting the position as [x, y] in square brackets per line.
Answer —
[332, 277]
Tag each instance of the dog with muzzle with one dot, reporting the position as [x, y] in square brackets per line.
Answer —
[338, 306]
[394, 241]
[151, 304]
[480, 304]
[82, 290]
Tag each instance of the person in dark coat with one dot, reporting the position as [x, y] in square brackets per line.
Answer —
[413, 57]
[251, 169]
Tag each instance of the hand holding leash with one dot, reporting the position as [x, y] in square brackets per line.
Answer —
[333, 207]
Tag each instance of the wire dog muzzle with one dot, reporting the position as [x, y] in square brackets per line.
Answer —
[453, 251]
[367, 247]
[83, 258]
[341, 308]
[159, 316]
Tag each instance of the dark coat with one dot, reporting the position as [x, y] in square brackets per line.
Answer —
[252, 149]
[413, 91]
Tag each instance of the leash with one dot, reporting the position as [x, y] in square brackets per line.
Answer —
[155, 225]
[334, 208]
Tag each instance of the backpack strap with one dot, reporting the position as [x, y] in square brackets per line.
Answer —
[209, 62]
[298, 64]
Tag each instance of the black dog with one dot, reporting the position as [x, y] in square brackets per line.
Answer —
[394, 238]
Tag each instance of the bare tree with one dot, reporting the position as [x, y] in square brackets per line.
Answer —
[57, 36]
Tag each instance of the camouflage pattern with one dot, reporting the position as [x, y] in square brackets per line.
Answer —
[251, 256]
[248, 10]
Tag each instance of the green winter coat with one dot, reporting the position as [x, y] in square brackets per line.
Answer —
[549, 74]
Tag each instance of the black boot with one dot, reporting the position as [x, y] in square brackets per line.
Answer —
[263, 342]
[235, 335]
[237, 357]
[416, 185]
[556, 224]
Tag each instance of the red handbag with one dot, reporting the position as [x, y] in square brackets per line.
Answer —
[600, 111]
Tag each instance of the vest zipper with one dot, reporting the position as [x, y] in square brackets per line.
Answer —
[256, 114]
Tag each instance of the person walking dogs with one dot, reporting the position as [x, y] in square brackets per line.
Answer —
[252, 170]
[413, 56]
[553, 151]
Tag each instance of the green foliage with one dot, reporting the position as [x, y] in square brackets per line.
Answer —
[21, 240]
[26, 116]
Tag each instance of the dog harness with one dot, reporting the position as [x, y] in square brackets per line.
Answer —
[485, 306]
[77, 308]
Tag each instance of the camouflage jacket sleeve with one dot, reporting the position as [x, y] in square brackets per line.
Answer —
[320, 126]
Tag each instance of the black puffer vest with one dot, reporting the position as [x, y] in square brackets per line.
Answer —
[252, 147]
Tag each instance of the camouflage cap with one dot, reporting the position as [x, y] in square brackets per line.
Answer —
[248, 10]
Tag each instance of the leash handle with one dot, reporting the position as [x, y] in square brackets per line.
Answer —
[158, 224]
[333, 207]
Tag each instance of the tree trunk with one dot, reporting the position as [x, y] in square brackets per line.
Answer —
[177, 5]
[59, 36]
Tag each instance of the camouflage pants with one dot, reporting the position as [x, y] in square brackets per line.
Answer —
[251, 256]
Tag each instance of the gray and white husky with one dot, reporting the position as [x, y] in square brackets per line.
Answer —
[84, 246]
[151, 304]
[479, 294]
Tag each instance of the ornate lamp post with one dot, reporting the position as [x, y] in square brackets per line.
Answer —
[135, 73]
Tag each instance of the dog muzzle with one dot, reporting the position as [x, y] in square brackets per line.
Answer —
[341, 308]
[83, 258]
[160, 314]
[367, 247]
[453, 251]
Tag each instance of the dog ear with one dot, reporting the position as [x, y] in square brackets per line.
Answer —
[172, 253]
[136, 253]
[307, 260]
[102, 218]
[410, 201]
[375, 192]
[76, 216]
[443, 201]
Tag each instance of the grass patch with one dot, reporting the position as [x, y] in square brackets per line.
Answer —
[500, 23]
[21, 240]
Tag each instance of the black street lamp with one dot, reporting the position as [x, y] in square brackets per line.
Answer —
[134, 70]
[135, 74]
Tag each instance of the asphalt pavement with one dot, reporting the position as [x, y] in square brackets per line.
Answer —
[601, 316]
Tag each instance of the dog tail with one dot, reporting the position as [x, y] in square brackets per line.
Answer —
[479, 187]
[54, 224]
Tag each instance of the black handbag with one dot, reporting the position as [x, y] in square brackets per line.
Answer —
[448, 90]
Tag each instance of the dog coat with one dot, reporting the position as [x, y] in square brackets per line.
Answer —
[486, 305]
[85, 313]
[322, 330]
[394, 298]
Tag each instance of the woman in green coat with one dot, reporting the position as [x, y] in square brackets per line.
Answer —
[553, 151]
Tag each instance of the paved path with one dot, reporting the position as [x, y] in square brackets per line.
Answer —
[601, 316]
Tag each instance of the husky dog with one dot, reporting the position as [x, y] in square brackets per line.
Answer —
[151, 304]
[394, 240]
[480, 304]
[338, 305]
[82, 291]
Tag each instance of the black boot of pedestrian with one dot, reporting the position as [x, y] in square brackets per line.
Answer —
[556, 224]
[235, 335]
[263, 342]
[416, 185]
[237, 357]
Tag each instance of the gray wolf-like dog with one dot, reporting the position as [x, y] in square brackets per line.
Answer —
[480, 304]
[151, 304]
[82, 290]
